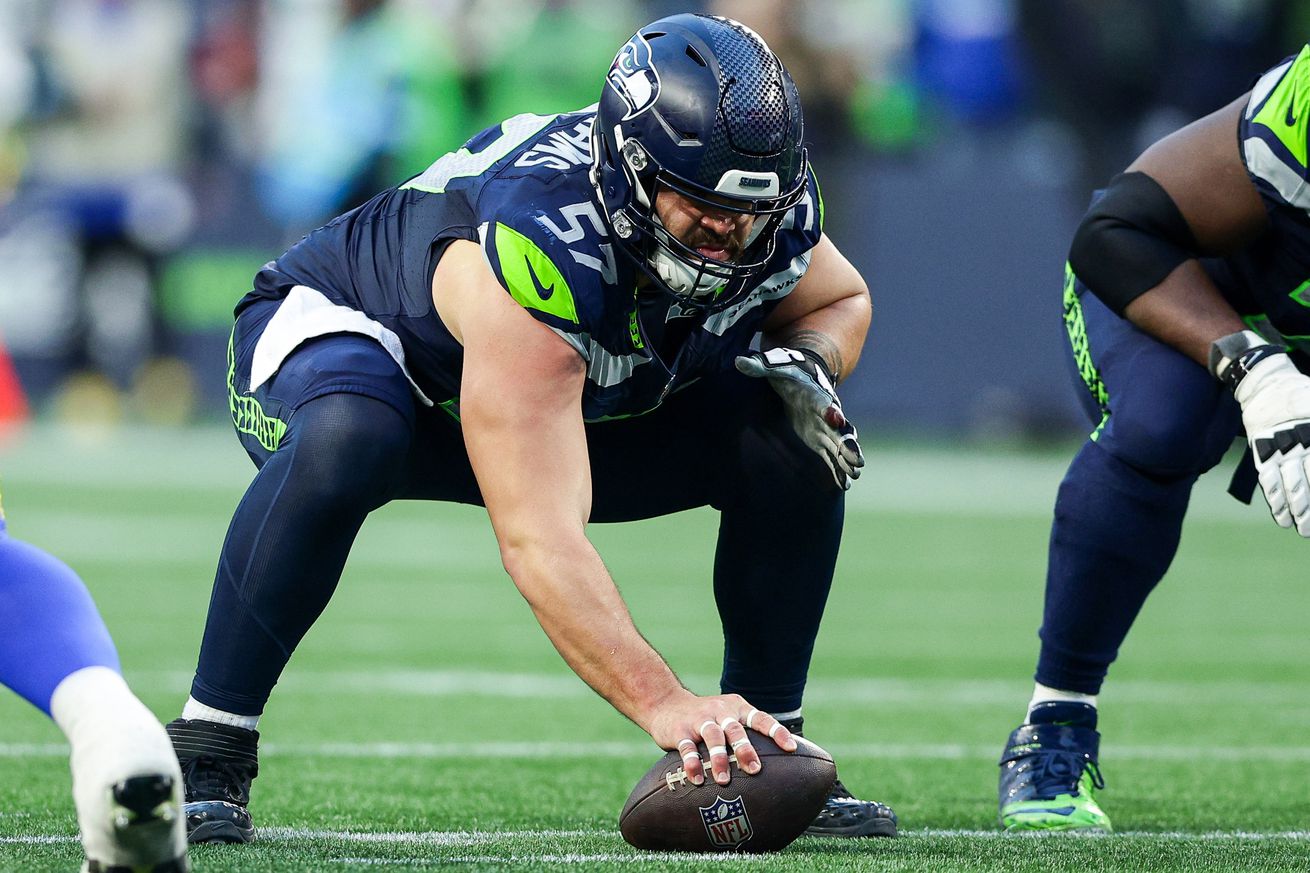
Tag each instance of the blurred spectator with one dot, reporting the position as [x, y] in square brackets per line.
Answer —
[1121, 74]
[225, 73]
[966, 57]
[542, 56]
[295, 110]
[354, 96]
[99, 199]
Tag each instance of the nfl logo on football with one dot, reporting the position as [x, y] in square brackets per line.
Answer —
[726, 822]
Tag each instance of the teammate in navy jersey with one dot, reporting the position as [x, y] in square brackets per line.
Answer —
[1195, 332]
[56, 654]
[556, 322]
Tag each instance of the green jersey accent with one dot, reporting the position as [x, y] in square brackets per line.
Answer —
[1301, 293]
[247, 414]
[1287, 111]
[1076, 326]
[533, 279]
[634, 331]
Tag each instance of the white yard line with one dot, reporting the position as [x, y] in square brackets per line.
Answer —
[484, 839]
[664, 859]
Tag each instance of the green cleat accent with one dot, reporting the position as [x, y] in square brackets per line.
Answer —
[1074, 811]
[1049, 779]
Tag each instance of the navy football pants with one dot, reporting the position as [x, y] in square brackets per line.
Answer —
[1161, 421]
[355, 438]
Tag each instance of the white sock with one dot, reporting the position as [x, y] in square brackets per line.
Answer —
[1043, 694]
[195, 709]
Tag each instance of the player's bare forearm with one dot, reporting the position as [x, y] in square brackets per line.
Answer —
[836, 333]
[581, 611]
[1186, 311]
[828, 312]
[520, 402]
[1201, 170]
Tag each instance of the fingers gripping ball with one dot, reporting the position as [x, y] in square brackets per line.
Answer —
[760, 813]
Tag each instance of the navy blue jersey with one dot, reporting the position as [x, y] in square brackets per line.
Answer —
[522, 191]
[1268, 282]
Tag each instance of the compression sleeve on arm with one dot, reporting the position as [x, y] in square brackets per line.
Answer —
[1131, 238]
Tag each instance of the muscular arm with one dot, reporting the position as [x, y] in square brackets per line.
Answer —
[828, 312]
[520, 406]
[1201, 169]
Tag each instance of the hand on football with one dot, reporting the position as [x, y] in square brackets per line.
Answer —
[812, 406]
[721, 723]
[1275, 399]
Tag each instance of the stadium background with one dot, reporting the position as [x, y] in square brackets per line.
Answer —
[154, 153]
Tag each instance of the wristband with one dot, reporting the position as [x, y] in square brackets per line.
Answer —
[819, 362]
[1233, 356]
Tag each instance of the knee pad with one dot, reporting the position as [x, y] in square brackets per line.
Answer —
[1173, 442]
[349, 445]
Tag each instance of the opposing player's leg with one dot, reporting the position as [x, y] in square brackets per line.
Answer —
[330, 433]
[1161, 422]
[779, 532]
[56, 652]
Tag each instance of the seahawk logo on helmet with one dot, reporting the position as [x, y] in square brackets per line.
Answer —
[633, 78]
[699, 106]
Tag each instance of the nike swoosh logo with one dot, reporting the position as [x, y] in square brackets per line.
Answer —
[542, 291]
[1290, 120]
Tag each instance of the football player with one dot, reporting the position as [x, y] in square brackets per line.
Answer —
[1188, 312]
[56, 653]
[556, 322]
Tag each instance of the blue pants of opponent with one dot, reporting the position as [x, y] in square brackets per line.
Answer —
[350, 437]
[49, 626]
[1161, 421]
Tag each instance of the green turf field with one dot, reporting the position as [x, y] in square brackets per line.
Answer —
[426, 721]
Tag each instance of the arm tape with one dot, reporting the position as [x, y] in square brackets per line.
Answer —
[1130, 240]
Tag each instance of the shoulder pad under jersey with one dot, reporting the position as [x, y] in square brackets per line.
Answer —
[1273, 132]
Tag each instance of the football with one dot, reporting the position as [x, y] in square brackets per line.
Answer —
[761, 813]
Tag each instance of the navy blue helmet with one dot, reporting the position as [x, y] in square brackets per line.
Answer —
[700, 105]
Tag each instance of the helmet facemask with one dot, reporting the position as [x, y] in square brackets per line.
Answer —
[698, 106]
[679, 269]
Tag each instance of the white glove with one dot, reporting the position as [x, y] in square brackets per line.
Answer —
[1275, 399]
[802, 379]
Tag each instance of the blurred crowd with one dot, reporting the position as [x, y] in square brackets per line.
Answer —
[154, 153]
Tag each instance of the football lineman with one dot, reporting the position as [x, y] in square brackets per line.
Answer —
[55, 652]
[1188, 313]
[556, 322]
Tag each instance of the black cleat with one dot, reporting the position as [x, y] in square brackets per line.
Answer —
[219, 762]
[844, 815]
[217, 821]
